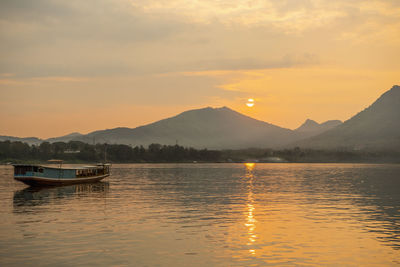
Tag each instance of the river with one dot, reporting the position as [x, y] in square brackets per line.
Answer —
[207, 215]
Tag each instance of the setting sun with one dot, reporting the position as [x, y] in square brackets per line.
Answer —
[250, 102]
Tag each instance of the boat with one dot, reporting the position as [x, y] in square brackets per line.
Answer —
[32, 174]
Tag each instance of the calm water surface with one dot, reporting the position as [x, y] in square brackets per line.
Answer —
[207, 215]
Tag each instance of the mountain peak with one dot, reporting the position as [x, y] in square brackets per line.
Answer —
[394, 90]
[209, 112]
[224, 108]
[310, 122]
[388, 100]
[73, 134]
[308, 125]
[311, 128]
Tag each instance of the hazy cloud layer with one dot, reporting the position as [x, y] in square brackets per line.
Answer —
[42, 38]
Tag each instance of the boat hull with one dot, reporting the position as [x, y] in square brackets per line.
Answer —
[35, 180]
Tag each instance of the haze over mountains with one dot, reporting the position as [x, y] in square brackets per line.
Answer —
[377, 127]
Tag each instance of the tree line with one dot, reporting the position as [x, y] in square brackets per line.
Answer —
[79, 152]
[76, 151]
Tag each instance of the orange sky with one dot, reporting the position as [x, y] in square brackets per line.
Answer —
[78, 67]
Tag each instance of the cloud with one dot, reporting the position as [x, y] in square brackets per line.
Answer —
[122, 37]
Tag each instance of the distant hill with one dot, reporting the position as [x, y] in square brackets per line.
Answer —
[214, 128]
[28, 140]
[65, 138]
[311, 128]
[376, 128]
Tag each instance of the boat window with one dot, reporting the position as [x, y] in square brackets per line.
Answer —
[21, 170]
[40, 170]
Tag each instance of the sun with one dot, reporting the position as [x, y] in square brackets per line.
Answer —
[250, 102]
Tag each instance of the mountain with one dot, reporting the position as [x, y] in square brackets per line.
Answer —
[311, 128]
[28, 140]
[376, 127]
[65, 138]
[214, 128]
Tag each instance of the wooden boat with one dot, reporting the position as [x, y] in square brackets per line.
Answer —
[53, 175]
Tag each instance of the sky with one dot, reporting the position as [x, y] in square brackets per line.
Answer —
[81, 66]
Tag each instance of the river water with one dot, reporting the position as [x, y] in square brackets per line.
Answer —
[207, 215]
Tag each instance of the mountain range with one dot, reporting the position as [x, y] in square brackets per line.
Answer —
[376, 127]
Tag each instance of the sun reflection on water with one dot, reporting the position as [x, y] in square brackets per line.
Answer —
[250, 220]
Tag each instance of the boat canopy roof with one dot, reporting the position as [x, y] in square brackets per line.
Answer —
[55, 160]
[64, 168]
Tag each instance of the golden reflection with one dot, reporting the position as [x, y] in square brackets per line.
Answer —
[249, 168]
[250, 220]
